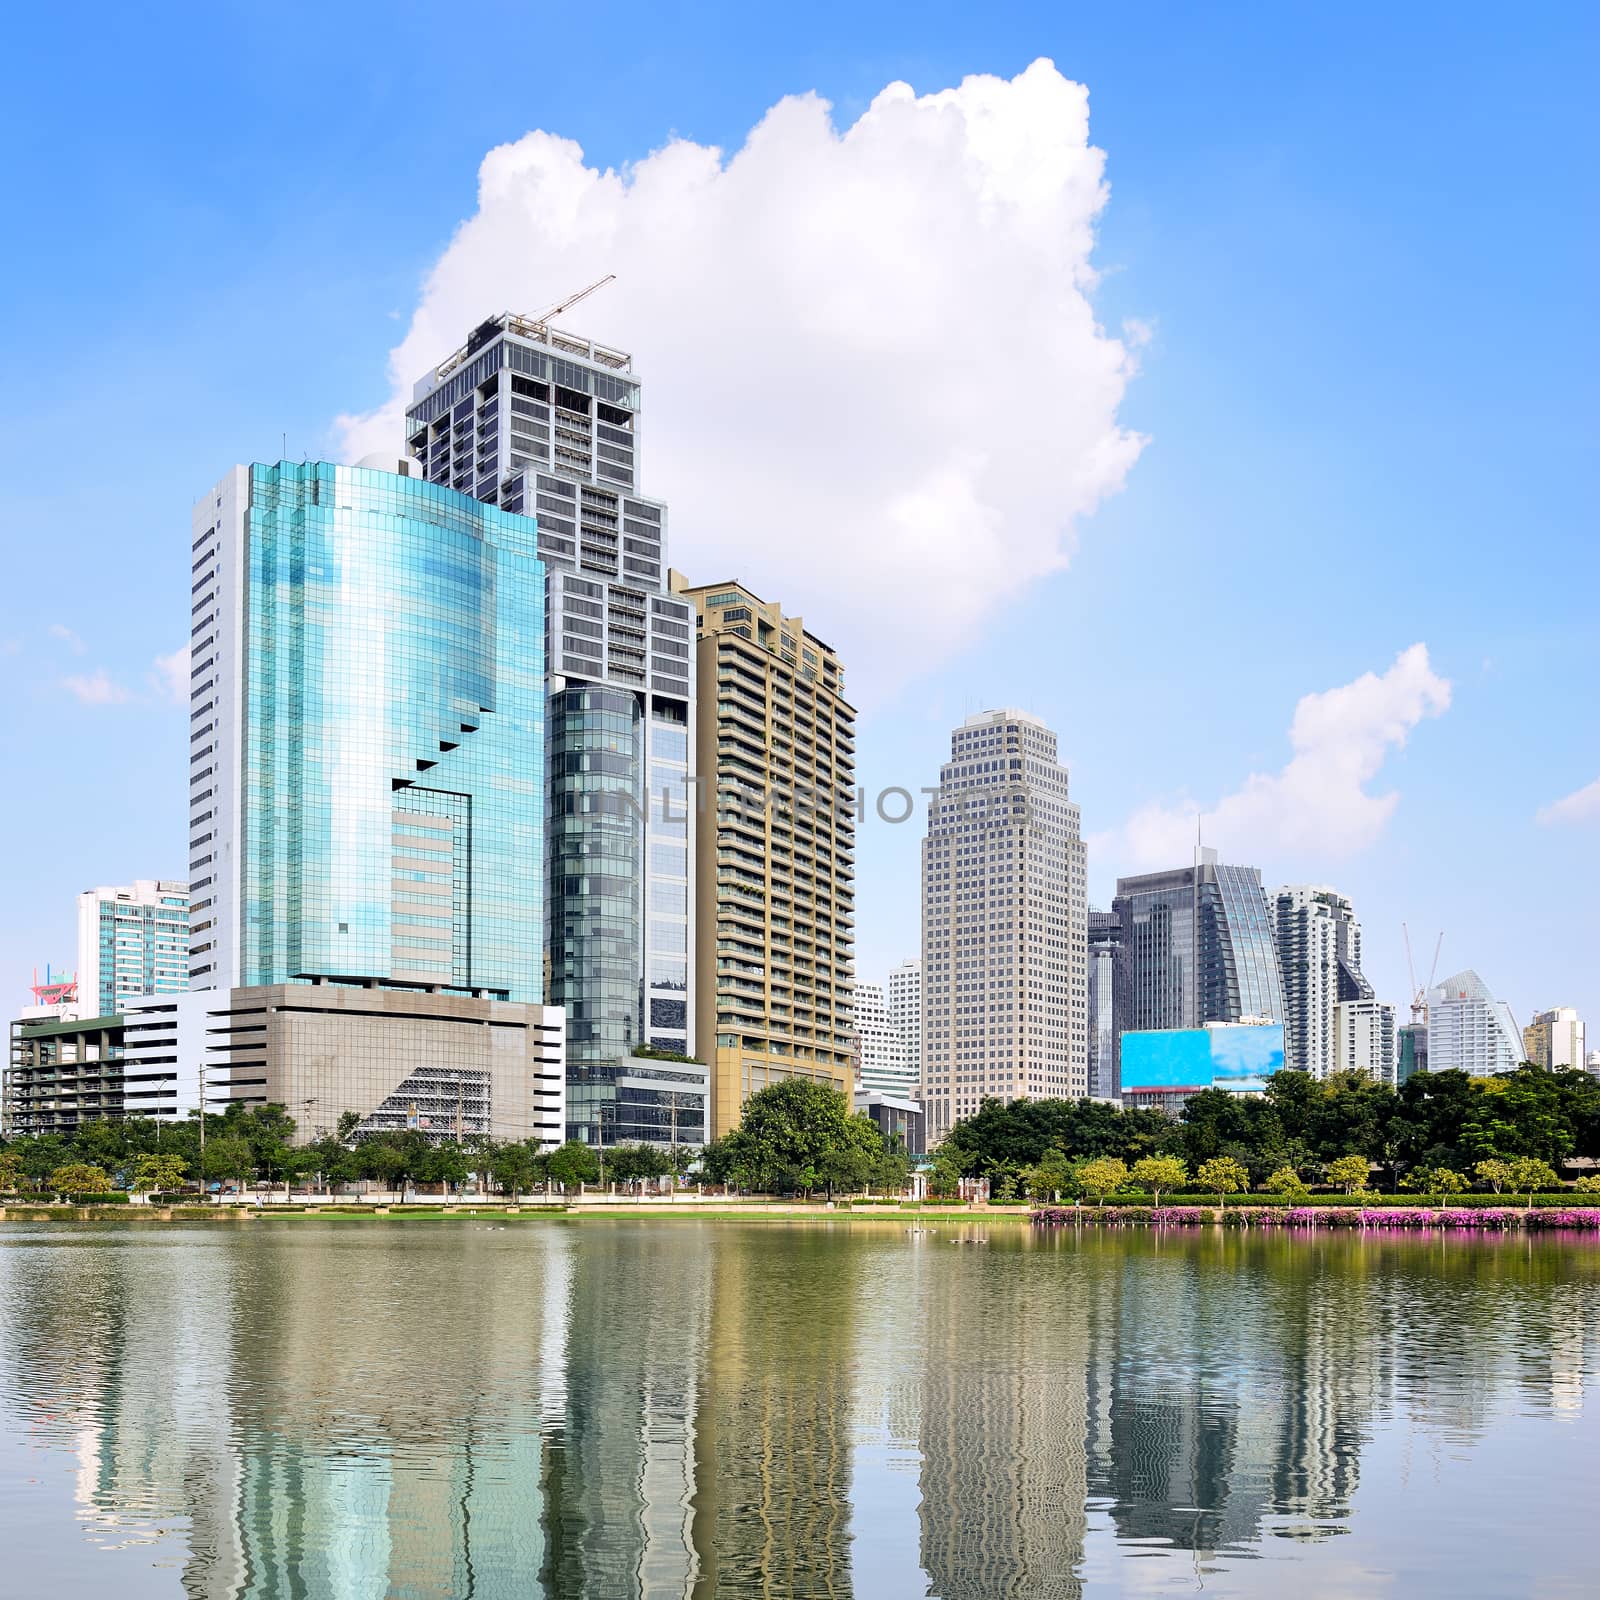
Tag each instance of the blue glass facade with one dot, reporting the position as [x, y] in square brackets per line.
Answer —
[392, 824]
[1239, 973]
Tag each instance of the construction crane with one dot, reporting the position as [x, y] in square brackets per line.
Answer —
[1419, 997]
[572, 299]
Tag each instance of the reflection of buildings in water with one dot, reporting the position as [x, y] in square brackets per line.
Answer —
[620, 1468]
[385, 1405]
[773, 1422]
[886, 1457]
[1004, 1411]
[1228, 1398]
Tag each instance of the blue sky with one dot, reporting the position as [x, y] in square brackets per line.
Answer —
[1363, 239]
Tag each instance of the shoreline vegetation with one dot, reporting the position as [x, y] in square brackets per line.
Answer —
[1367, 1213]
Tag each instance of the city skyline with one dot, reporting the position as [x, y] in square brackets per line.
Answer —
[1194, 369]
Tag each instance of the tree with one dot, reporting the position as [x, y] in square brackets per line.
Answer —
[1222, 1176]
[1350, 1173]
[79, 1177]
[229, 1158]
[444, 1164]
[1156, 1173]
[1102, 1176]
[1588, 1185]
[574, 1163]
[1055, 1175]
[1433, 1180]
[950, 1165]
[157, 1172]
[513, 1168]
[798, 1136]
[1494, 1172]
[1285, 1181]
[12, 1177]
[1530, 1175]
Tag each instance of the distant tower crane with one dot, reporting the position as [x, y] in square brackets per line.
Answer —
[571, 300]
[1419, 997]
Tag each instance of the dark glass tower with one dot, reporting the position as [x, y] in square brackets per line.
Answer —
[1196, 946]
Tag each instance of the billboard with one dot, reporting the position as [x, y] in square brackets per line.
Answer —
[1238, 1057]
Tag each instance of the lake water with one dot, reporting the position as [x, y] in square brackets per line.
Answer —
[370, 1410]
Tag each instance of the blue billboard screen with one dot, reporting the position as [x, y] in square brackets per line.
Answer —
[1240, 1058]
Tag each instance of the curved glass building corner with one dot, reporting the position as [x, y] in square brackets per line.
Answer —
[394, 732]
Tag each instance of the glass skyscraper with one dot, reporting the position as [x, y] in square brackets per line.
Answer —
[1197, 946]
[368, 735]
[532, 419]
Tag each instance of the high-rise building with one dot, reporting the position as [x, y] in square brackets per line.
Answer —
[1555, 1039]
[132, 940]
[881, 1060]
[1412, 1051]
[1364, 1040]
[1469, 1030]
[543, 422]
[775, 891]
[1004, 914]
[1197, 947]
[1104, 963]
[1592, 1063]
[905, 1012]
[367, 745]
[1319, 958]
[367, 797]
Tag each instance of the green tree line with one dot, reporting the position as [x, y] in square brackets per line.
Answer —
[1439, 1133]
[247, 1146]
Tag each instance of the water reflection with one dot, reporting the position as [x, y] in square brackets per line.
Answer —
[433, 1411]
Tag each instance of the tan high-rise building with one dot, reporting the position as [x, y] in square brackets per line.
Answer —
[775, 862]
[1005, 916]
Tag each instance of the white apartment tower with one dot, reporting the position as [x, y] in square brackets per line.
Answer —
[1319, 957]
[1364, 1039]
[1004, 920]
[882, 1060]
[133, 940]
[905, 1012]
[1469, 1030]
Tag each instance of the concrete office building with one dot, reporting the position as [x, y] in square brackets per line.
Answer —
[1197, 947]
[881, 1061]
[547, 424]
[367, 798]
[895, 1116]
[1555, 1039]
[1319, 959]
[133, 940]
[453, 1066]
[142, 1061]
[905, 1012]
[1469, 1030]
[1365, 1040]
[775, 890]
[1004, 914]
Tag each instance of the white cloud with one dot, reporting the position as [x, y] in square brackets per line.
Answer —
[97, 688]
[172, 676]
[59, 630]
[1582, 805]
[874, 385]
[1318, 806]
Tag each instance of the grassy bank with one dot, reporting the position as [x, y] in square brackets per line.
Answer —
[620, 1211]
